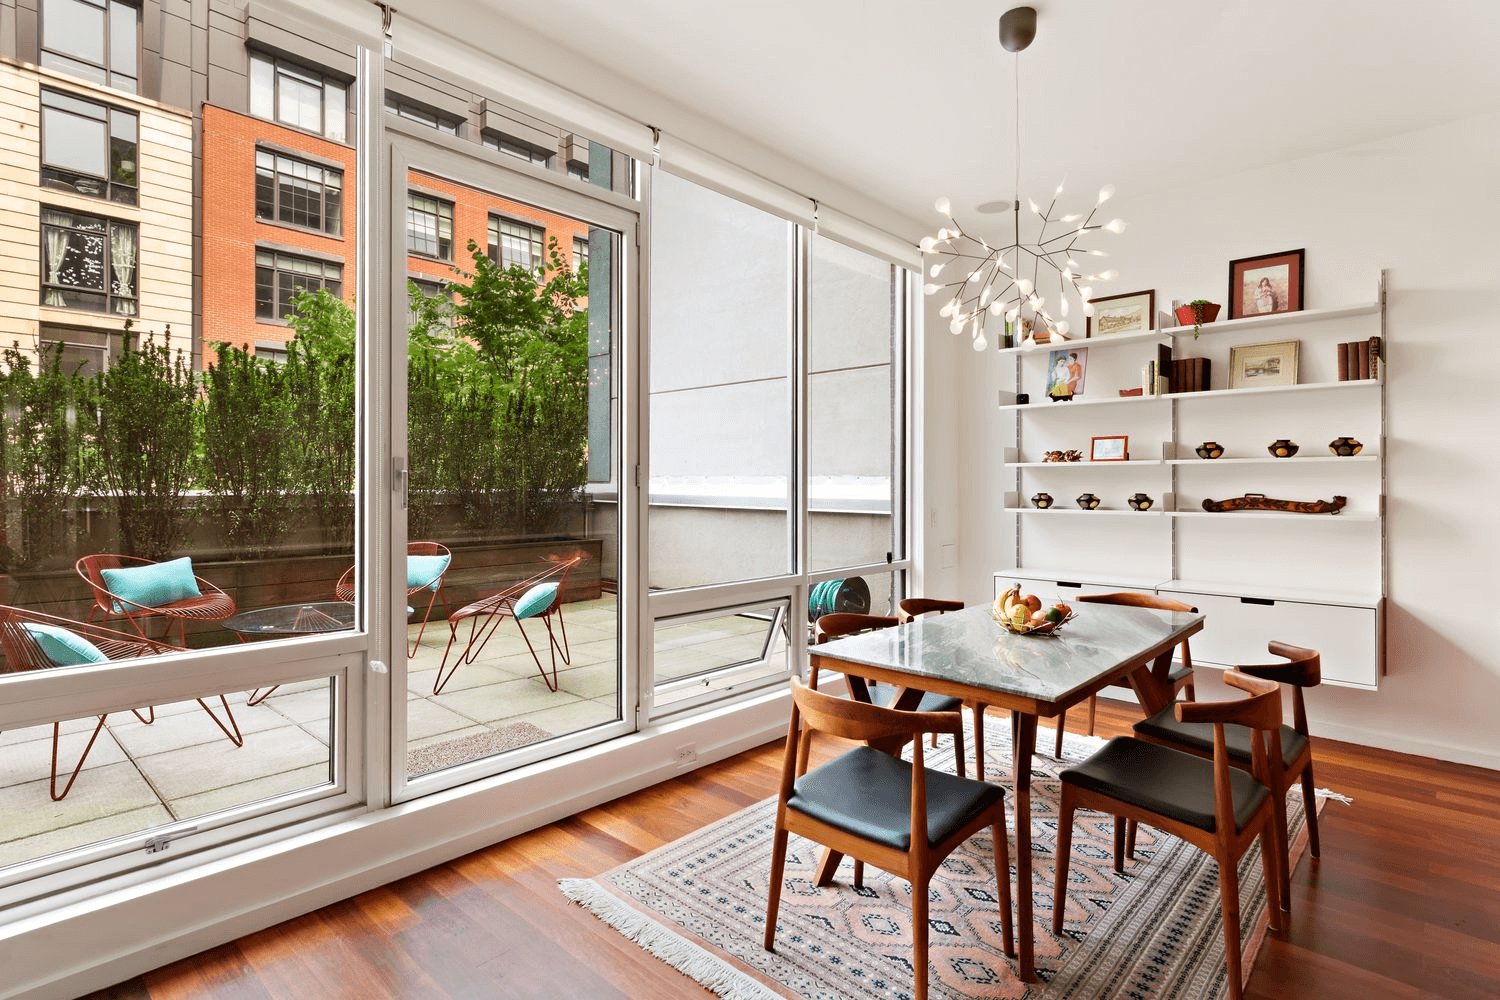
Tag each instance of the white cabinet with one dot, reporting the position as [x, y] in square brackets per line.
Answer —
[1314, 580]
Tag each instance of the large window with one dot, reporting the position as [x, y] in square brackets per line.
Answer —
[422, 114]
[83, 352]
[95, 40]
[298, 193]
[516, 243]
[298, 97]
[88, 148]
[88, 262]
[580, 252]
[429, 226]
[279, 276]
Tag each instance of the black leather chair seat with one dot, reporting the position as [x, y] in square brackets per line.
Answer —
[868, 793]
[1164, 725]
[1167, 782]
[884, 694]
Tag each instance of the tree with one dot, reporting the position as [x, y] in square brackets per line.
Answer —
[320, 380]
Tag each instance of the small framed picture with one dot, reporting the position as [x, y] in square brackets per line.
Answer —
[1271, 283]
[1132, 312]
[1115, 448]
[1257, 365]
[1065, 372]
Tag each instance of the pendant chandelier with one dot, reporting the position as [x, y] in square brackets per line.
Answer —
[1014, 283]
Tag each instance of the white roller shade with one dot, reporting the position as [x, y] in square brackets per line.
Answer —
[419, 42]
[702, 167]
[848, 230]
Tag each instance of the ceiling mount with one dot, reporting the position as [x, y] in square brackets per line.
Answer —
[1017, 28]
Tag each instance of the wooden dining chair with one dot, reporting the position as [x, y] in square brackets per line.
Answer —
[842, 623]
[1293, 764]
[1212, 805]
[913, 608]
[899, 816]
[1181, 677]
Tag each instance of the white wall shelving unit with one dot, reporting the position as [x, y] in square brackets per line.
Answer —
[1316, 580]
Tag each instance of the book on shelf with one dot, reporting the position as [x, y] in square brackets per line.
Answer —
[1164, 383]
[1344, 362]
[1362, 365]
[1373, 369]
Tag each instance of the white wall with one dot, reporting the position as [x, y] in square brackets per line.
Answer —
[1422, 205]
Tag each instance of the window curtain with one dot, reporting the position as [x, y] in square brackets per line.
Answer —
[57, 248]
[122, 256]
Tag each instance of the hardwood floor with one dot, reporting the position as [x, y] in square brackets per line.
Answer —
[1404, 904]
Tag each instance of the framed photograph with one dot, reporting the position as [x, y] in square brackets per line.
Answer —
[1115, 448]
[1133, 312]
[1257, 365]
[1065, 371]
[1271, 283]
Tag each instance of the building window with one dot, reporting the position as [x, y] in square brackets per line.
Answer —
[83, 352]
[88, 262]
[430, 289]
[298, 193]
[515, 147]
[429, 226]
[280, 276]
[274, 351]
[513, 243]
[88, 148]
[95, 40]
[301, 98]
[580, 253]
[421, 113]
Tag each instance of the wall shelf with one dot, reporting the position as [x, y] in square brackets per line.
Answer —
[1072, 342]
[1316, 586]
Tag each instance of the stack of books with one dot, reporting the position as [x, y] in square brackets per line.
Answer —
[1191, 375]
[1359, 359]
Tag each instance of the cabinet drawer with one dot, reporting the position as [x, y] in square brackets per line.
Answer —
[1236, 631]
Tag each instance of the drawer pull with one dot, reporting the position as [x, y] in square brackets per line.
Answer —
[1069, 583]
[1257, 600]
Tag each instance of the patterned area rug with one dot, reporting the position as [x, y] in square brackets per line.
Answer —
[699, 904]
[436, 756]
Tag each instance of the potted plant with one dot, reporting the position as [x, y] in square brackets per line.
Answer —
[1197, 312]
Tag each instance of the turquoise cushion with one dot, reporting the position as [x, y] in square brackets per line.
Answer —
[536, 600]
[152, 586]
[425, 571]
[64, 648]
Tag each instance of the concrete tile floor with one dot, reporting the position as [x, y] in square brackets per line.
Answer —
[182, 766]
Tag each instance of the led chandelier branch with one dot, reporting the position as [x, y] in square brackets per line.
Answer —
[995, 288]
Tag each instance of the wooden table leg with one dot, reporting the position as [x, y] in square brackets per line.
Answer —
[1151, 686]
[1025, 732]
[979, 740]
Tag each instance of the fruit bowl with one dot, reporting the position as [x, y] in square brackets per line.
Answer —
[1040, 628]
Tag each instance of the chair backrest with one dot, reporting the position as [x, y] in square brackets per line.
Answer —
[1304, 671]
[22, 651]
[344, 589]
[1156, 602]
[1260, 712]
[841, 623]
[912, 607]
[91, 568]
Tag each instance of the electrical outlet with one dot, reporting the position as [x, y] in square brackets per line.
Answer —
[686, 754]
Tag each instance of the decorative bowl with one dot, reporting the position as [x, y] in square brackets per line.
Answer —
[1345, 447]
[1042, 628]
[1042, 501]
[1088, 501]
[1210, 449]
[1139, 501]
[1282, 448]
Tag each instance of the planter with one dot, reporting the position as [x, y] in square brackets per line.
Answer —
[1197, 315]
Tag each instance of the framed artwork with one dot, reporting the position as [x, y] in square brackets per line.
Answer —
[1065, 372]
[1271, 283]
[1132, 312]
[1114, 448]
[1258, 365]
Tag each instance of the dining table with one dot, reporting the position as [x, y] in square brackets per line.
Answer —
[970, 655]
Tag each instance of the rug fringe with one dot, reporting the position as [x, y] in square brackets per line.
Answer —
[693, 961]
[1337, 797]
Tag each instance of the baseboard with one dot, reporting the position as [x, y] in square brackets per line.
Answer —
[135, 929]
[1403, 743]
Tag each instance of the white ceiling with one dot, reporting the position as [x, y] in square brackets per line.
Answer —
[904, 100]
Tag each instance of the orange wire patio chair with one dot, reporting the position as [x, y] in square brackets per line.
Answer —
[23, 651]
[212, 605]
[344, 589]
[485, 615]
